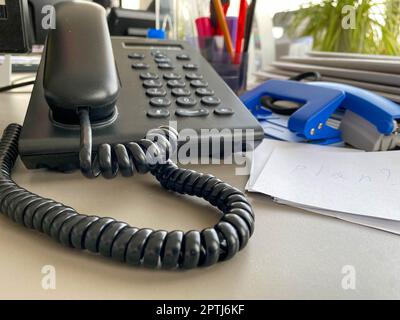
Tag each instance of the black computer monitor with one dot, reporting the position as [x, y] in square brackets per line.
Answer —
[127, 22]
[15, 31]
[122, 22]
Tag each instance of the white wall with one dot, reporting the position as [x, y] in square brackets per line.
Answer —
[270, 7]
[135, 4]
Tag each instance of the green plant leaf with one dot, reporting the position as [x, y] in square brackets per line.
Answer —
[377, 29]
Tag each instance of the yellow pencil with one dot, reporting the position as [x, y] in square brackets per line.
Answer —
[224, 27]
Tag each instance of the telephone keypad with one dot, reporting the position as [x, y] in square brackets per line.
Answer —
[168, 89]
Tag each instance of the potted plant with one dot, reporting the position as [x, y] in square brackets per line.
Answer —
[375, 28]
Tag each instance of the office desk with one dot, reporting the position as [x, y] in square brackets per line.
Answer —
[293, 254]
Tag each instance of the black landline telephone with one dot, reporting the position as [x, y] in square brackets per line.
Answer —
[77, 93]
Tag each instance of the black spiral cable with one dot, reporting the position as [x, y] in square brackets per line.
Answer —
[118, 240]
[314, 75]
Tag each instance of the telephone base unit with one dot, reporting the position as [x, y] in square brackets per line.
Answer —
[161, 83]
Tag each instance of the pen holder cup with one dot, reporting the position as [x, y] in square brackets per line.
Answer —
[232, 71]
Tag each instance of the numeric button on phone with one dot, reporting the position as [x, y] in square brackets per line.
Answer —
[156, 92]
[211, 101]
[183, 56]
[136, 55]
[152, 83]
[203, 92]
[158, 113]
[162, 60]
[160, 55]
[172, 76]
[194, 76]
[160, 102]
[165, 66]
[140, 66]
[176, 84]
[148, 76]
[157, 53]
[199, 83]
[186, 102]
[190, 66]
[181, 92]
[223, 111]
[192, 113]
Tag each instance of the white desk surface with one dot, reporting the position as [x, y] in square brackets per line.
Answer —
[293, 254]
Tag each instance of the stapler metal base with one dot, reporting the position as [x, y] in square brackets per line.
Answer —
[362, 134]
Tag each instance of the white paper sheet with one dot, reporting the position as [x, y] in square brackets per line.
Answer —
[376, 223]
[366, 184]
[263, 152]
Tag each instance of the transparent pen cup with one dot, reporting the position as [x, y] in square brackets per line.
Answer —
[232, 70]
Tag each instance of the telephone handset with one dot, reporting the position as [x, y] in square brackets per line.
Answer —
[81, 86]
[79, 69]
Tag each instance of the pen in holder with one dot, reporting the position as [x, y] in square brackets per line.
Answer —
[232, 71]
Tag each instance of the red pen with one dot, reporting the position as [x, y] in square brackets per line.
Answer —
[204, 27]
[241, 29]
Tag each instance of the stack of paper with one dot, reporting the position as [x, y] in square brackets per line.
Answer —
[358, 187]
[377, 73]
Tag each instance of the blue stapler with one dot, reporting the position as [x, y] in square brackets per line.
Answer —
[369, 121]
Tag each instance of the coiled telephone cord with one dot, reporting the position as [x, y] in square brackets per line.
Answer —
[118, 240]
